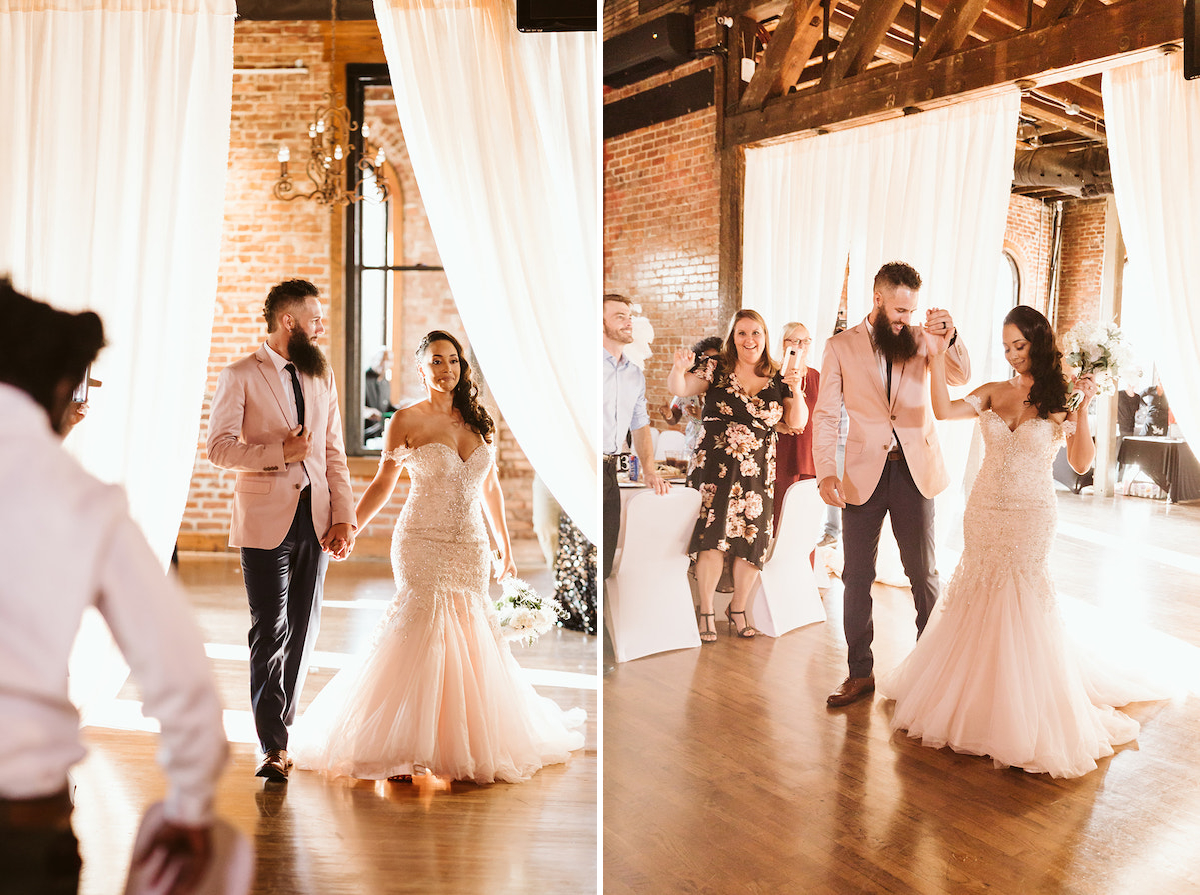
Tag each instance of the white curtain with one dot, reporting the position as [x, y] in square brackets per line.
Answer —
[114, 178]
[1153, 123]
[931, 189]
[503, 131]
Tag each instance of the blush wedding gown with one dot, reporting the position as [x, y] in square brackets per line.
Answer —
[995, 673]
[437, 687]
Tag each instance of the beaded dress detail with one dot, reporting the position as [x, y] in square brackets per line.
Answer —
[995, 672]
[437, 687]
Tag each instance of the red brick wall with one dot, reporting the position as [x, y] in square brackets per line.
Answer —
[1027, 237]
[265, 240]
[662, 215]
[1082, 262]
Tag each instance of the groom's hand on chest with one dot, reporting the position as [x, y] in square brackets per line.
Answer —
[297, 445]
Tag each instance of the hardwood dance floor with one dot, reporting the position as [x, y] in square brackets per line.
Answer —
[724, 772]
[314, 836]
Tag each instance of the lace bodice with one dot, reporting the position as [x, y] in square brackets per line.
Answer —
[1011, 513]
[440, 543]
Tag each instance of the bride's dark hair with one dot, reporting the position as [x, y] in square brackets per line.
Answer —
[1049, 390]
[466, 393]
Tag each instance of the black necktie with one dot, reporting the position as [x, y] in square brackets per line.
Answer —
[889, 387]
[299, 394]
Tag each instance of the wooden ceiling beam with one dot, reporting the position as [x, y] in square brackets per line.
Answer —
[862, 39]
[1051, 114]
[957, 21]
[1071, 48]
[795, 37]
[1055, 10]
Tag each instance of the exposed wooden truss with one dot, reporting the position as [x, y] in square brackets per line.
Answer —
[971, 48]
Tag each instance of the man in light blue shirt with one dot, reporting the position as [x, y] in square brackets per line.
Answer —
[624, 413]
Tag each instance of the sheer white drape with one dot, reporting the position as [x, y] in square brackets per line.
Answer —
[502, 128]
[113, 175]
[930, 189]
[1153, 122]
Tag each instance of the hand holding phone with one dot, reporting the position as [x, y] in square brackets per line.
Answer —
[789, 359]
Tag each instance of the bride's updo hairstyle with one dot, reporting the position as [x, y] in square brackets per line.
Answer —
[466, 392]
[1049, 390]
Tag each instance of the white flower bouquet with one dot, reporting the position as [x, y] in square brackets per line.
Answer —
[1099, 349]
[525, 614]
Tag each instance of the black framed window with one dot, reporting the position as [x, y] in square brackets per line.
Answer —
[374, 258]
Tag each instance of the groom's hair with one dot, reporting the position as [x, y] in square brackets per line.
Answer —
[897, 273]
[41, 346]
[285, 296]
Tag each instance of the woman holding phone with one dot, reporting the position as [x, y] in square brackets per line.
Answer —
[793, 450]
[745, 398]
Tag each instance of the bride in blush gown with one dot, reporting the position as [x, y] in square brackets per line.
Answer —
[437, 689]
[994, 672]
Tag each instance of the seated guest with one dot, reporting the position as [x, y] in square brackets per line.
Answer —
[377, 402]
[793, 449]
[76, 546]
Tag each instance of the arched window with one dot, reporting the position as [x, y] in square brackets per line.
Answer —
[1007, 295]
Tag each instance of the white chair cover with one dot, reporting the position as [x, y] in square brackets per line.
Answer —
[669, 440]
[786, 597]
[648, 604]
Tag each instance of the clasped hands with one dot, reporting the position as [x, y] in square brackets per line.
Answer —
[939, 330]
[339, 540]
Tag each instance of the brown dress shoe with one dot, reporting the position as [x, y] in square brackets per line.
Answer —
[275, 765]
[851, 690]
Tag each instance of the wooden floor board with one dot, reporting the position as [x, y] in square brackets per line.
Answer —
[725, 772]
[315, 836]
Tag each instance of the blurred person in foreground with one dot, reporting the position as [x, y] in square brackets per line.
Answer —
[76, 546]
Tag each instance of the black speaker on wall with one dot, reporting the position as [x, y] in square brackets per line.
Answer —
[556, 15]
[1191, 41]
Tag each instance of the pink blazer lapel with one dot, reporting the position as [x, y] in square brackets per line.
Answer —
[865, 349]
[266, 369]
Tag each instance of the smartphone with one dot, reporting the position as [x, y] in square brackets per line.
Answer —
[789, 359]
[80, 395]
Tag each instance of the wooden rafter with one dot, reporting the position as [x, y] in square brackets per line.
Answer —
[789, 49]
[957, 20]
[1055, 10]
[1071, 48]
[863, 38]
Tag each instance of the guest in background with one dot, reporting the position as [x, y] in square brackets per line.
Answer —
[745, 398]
[691, 409]
[77, 546]
[793, 449]
[1158, 416]
[833, 515]
[624, 414]
[1128, 404]
[377, 393]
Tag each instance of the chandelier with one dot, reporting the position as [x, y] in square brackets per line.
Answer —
[335, 182]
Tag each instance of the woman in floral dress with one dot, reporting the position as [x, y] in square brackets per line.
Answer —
[733, 468]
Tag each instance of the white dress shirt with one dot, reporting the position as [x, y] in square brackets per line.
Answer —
[289, 389]
[69, 543]
[624, 400]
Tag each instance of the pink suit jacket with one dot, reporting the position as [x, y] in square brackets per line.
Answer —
[850, 373]
[249, 420]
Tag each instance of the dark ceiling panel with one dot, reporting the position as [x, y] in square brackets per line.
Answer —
[304, 10]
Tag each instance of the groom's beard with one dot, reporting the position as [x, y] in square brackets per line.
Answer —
[307, 357]
[895, 347]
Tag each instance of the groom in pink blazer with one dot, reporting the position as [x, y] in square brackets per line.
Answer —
[275, 421]
[893, 465]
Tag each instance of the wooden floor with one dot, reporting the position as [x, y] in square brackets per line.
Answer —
[317, 837]
[724, 772]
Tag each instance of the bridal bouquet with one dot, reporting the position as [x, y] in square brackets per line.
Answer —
[524, 613]
[1099, 349]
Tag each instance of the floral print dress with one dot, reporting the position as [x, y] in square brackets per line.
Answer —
[734, 465]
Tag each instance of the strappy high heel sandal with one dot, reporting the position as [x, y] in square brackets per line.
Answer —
[745, 631]
[707, 634]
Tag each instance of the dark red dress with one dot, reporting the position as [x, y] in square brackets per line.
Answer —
[793, 453]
